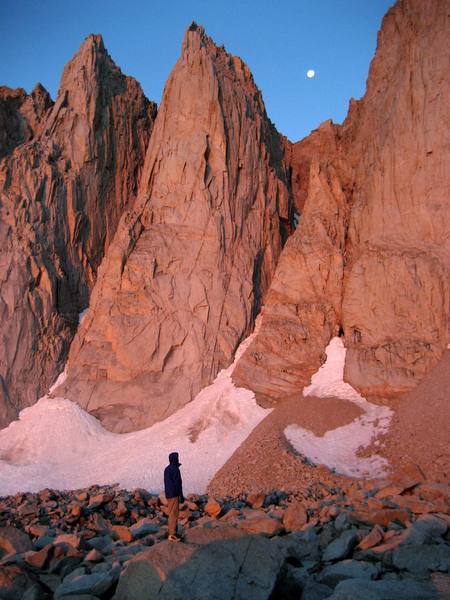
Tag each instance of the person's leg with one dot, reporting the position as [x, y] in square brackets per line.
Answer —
[173, 506]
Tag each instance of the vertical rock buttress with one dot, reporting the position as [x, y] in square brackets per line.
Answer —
[370, 258]
[65, 180]
[181, 284]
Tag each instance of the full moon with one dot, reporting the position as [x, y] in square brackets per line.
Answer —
[310, 73]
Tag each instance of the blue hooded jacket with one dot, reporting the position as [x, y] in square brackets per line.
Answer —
[173, 486]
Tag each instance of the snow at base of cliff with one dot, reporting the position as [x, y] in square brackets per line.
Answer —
[338, 448]
[57, 444]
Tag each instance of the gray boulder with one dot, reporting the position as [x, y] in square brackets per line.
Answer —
[341, 547]
[13, 541]
[362, 589]
[238, 567]
[419, 559]
[316, 591]
[426, 529]
[95, 584]
[144, 527]
[347, 569]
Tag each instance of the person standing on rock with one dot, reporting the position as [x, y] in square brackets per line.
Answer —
[173, 487]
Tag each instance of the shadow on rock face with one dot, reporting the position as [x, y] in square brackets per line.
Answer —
[220, 563]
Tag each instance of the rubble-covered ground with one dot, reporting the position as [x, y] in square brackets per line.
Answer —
[365, 540]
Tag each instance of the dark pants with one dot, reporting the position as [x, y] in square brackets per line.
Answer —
[173, 505]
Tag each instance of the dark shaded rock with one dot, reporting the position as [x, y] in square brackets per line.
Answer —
[420, 559]
[64, 565]
[249, 568]
[347, 569]
[300, 546]
[15, 583]
[13, 540]
[341, 547]
[426, 529]
[96, 584]
[316, 591]
[384, 590]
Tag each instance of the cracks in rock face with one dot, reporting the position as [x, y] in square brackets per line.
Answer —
[256, 280]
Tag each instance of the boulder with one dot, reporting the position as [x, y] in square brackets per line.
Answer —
[256, 499]
[434, 491]
[390, 490]
[13, 540]
[213, 508]
[316, 591]
[240, 568]
[68, 540]
[122, 532]
[347, 569]
[371, 539]
[17, 583]
[261, 525]
[295, 516]
[441, 583]
[96, 584]
[94, 555]
[384, 590]
[420, 559]
[39, 558]
[143, 527]
[341, 547]
[382, 517]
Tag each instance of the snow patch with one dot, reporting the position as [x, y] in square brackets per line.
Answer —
[338, 448]
[57, 444]
[59, 381]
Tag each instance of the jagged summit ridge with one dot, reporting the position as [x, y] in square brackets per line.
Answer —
[64, 184]
[200, 247]
[180, 287]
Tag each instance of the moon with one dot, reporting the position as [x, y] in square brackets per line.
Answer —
[310, 73]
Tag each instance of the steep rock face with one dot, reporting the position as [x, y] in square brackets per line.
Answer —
[21, 115]
[387, 277]
[396, 295]
[61, 197]
[184, 278]
[303, 307]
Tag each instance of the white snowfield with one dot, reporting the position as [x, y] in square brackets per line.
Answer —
[57, 444]
[338, 448]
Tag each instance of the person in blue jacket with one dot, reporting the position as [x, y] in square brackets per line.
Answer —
[173, 487]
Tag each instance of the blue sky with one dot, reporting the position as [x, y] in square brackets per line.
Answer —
[279, 40]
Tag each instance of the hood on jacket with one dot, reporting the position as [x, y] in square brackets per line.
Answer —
[174, 459]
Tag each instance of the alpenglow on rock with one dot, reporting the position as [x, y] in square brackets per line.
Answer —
[371, 255]
[184, 278]
[69, 169]
[21, 116]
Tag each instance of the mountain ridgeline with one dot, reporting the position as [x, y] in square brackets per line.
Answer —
[178, 226]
